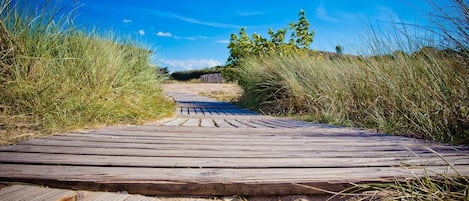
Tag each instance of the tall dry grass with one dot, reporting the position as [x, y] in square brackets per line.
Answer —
[424, 94]
[55, 77]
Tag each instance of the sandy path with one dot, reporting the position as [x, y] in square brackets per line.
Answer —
[197, 88]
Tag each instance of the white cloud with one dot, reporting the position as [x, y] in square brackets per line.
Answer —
[190, 64]
[170, 35]
[141, 32]
[164, 34]
[127, 21]
[223, 41]
[321, 13]
[211, 24]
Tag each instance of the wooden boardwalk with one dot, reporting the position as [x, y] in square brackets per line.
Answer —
[36, 193]
[215, 148]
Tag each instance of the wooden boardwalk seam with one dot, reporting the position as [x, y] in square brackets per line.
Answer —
[216, 148]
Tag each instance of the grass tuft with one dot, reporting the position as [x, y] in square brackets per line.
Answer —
[54, 77]
[400, 84]
[421, 96]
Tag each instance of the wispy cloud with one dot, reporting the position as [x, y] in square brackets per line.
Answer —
[170, 35]
[141, 32]
[245, 14]
[189, 19]
[210, 24]
[127, 21]
[164, 34]
[322, 14]
[223, 41]
[190, 64]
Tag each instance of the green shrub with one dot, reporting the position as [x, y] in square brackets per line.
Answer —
[193, 74]
[230, 74]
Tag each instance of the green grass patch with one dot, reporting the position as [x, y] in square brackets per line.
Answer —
[56, 77]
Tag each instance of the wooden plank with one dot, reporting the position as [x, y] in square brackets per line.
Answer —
[54, 194]
[206, 181]
[192, 122]
[176, 122]
[191, 111]
[93, 196]
[206, 112]
[178, 111]
[211, 153]
[276, 140]
[306, 147]
[262, 124]
[35, 193]
[207, 123]
[30, 193]
[185, 111]
[189, 146]
[222, 123]
[279, 123]
[198, 111]
[218, 141]
[245, 135]
[299, 131]
[236, 123]
[212, 111]
[185, 162]
[249, 134]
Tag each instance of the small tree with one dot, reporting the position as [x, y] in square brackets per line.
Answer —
[241, 45]
[338, 49]
[301, 36]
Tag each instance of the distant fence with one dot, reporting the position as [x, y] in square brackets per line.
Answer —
[211, 78]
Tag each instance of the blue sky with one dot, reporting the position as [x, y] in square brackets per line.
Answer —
[191, 34]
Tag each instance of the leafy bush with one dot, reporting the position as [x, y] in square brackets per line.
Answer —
[230, 74]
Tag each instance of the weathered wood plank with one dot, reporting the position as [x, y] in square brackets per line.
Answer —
[255, 138]
[221, 123]
[198, 111]
[237, 124]
[267, 134]
[178, 111]
[192, 111]
[38, 193]
[172, 162]
[206, 112]
[206, 181]
[185, 111]
[35, 193]
[320, 144]
[192, 122]
[176, 122]
[213, 153]
[207, 123]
